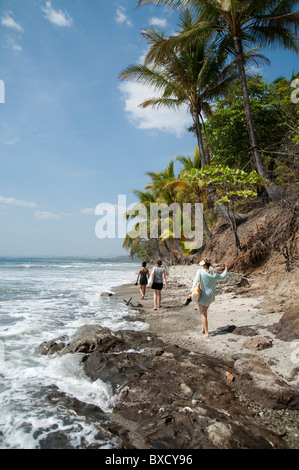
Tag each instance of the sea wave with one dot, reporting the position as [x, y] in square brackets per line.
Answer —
[39, 303]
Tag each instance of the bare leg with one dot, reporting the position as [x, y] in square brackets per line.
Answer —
[155, 299]
[141, 292]
[159, 298]
[204, 317]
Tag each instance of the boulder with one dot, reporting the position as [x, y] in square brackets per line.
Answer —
[91, 338]
[258, 343]
[53, 346]
[263, 386]
[244, 331]
[287, 328]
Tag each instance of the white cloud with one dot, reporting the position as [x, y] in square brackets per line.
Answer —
[255, 69]
[160, 22]
[12, 141]
[122, 17]
[11, 43]
[163, 119]
[57, 17]
[39, 215]
[9, 22]
[88, 211]
[16, 202]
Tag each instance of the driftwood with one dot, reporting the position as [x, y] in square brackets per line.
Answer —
[130, 304]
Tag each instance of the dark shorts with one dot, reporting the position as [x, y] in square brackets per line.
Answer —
[157, 285]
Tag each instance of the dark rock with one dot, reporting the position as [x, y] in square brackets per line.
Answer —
[225, 329]
[287, 328]
[263, 386]
[71, 407]
[245, 331]
[258, 343]
[233, 283]
[183, 400]
[53, 346]
[244, 282]
[170, 398]
[91, 338]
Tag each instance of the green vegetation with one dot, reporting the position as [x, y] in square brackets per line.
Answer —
[231, 185]
[275, 120]
[246, 129]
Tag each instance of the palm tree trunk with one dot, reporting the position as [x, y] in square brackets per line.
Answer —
[201, 150]
[205, 225]
[206, 228]
[272, 189]
[208, 156]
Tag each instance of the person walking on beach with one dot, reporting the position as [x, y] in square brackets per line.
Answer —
[207, 281]
[159, 278]
[143, 274]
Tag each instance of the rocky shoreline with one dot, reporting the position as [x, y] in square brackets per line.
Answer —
[175, 390]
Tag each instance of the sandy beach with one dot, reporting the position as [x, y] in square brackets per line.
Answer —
[249, 306]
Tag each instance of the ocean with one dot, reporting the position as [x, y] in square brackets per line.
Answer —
[41, 299]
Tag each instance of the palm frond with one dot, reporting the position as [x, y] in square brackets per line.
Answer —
[146, 76]
[271, 36]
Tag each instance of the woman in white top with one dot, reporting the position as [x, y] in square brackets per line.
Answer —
[207, 281]
[159, 277]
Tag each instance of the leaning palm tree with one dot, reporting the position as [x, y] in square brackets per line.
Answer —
[150, 227]
[189, 189]
[193, 76]
[236, 25]
[141, 231]
[165, 196]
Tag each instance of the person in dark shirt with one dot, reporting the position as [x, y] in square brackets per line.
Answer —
[143, 275]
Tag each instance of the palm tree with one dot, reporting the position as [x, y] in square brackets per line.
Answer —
[192, 189]
[160, 186]
[193, 76]
[131, 241]
[156, 192]
[236, 25]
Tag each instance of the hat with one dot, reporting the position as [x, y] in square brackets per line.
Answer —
[205, 261]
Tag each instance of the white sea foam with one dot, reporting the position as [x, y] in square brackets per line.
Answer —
[38, 303]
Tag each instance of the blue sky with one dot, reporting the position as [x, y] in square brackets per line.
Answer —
[71, 134]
